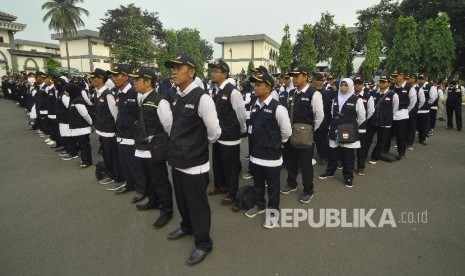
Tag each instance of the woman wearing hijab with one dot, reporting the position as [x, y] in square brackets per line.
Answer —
[79, 122]
[347, 113]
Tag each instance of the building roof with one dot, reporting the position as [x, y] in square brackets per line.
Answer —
[7, 17]
[242, 38]
[37, 43]
[79, 35]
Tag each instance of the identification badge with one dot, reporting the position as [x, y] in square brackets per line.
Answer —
[404, 91]
[224, 97]
[388, 99]
[174, 101]
[345, 135]
[249, 130]
[254, 109]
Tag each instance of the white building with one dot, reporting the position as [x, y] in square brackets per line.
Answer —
[87, 51]
[7, 29]
[238, 51]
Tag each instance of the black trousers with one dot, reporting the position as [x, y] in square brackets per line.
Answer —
[226, 167]
[270, 176]
[132, 169]
[296, 159]
[450, 110]
[361, 152]
[400, 128]
[192, 202]
[55, 132]
[321, 143]
[71, 145]
[381, 137]
[111, 157]
[432, 118]
[412, 128]
[83, 142]
[158, 187]
[423, 126]
[347, 155]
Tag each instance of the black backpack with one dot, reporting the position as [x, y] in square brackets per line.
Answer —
[244, 199]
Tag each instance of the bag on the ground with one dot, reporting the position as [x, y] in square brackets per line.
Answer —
[244, 199]
[100, 170]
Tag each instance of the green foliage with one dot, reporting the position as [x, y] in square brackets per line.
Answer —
[242, 75]
[167, 51]
[405, 52]
[308, 53]
[52, 65]
[340, 57]
[325, 34]
[250, 67]
[189, 44]
[373, 51]
[438, 47]
[285, 51]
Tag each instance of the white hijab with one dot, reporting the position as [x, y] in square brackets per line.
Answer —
[342, 98]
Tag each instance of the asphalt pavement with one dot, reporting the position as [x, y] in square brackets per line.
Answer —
[56, 219]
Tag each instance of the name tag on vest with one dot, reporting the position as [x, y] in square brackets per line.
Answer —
[190, 106]
[101, 100]
[268, 110]
[305, 99]
[350, 104]
[404, 91]
[387, 99]
[131, 100]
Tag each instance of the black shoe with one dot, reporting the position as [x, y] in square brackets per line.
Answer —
[123, 190]
[423, 143]
[56, 146]
[146, 206]
[349, 183]
[400, 157]
[162, 221]
[459, 129]
[197, 256]
[323, 162]
[325, 175]
[138, 198]
[177, 234]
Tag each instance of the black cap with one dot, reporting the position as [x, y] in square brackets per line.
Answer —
[298, 70]
[261, 69]
[422, 76]
[59, 80]
[219, 64]
[265, 78]
[119, 69]
[397, 72]
[98, 73]
[31, 74]
[453, 82]
[146, 72]
[318, 77]
[181, 60]
[40, 73]
[385, 77]
[50, 75]
[358, 79]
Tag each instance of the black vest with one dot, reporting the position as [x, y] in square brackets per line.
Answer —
[104, 121]
[436, 102]
[61, 109]
[327, 103]
[188, 138]
[30, 99]
[284, 98]
[75, 119]
[128, 112]
[51, 101]
[426, 105]
[265, 139]
[303, 112]
[347, 115]
[383, 114]
[230, 127]
[365, 98]
[402, 93]
[41, 99]
[149, 116]
[454, 96]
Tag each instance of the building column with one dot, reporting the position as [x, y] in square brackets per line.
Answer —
[14, 58]
[91, 56]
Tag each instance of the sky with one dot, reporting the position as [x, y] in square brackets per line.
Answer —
[213, 18]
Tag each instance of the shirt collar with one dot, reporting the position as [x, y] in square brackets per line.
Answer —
[265, 102]
[223, 84]
[188, 89]
[101, 90]
[304, 89]
[126, 89]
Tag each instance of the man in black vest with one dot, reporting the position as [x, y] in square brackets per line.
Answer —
[128, 113]
[307, 108]
[430, 94]
[50, 89]
[386, 105]
[195, 125]
[321, 135]
[413, 114]
[368, 103]
[232, 116]
[407, 101]
[454, 104]
[40, 100]
[270, 128]
[288, 91]
[106, 113]
[155, 120]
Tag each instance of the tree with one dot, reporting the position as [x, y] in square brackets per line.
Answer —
[438, 48]
[340, 57]
[373, 51]
[250, 67]
[189, 44]
[242, 75]
[455, 9]
[307, 56]
[285, 51]
[405, 52]
[207, 50]
[387, 12]
[65, 19]
[167, 51]
[114, 24]
[52, 65]
[325, 34]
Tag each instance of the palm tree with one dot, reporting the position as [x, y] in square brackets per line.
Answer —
[65, 19]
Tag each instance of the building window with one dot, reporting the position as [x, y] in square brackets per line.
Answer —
[106, 61]
[94, 43]
[1, 39]
[96, 60]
